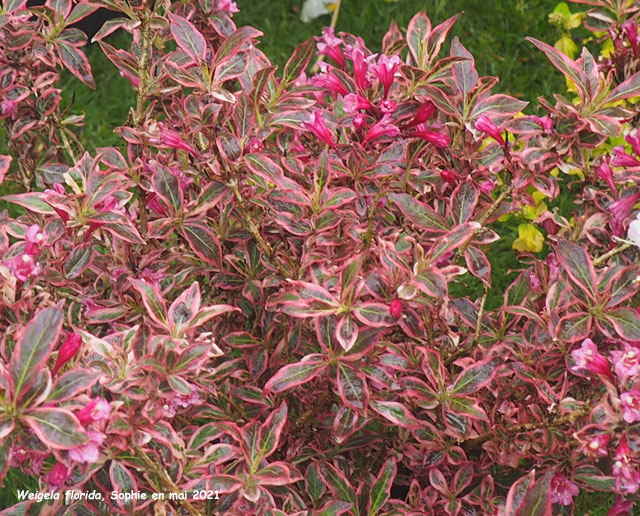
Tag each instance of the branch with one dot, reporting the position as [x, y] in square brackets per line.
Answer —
[253, 228]
[165, 479]
[569, 419]
[616, 250]
[138, 115]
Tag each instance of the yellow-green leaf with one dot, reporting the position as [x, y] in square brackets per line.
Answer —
[529, 239]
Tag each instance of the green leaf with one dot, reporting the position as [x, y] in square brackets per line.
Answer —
[34, 348]
[474, 377]
[203, 242]
[296, 374]
[298, 62]
[382, 486]
[626, 323]
[56, 428]
[188, 37]
[395, 412]
[420, 214]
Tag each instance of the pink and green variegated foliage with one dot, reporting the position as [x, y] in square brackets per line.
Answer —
[262, 302]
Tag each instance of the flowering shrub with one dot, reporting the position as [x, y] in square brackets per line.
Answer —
[256, 305]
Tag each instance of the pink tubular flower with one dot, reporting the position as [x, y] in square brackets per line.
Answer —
[24, 267]
[383, 127]
[67, 351]
[228, 6]
[588, 357]
[330, 46]
[8, 108]
[385, 70]
[627, 477]
[438, 139]
[171, 138]
[563, 490]
[450, 177]
[58, 475]
[424, 113]
[88, 452]
[620, 210]
[360, 69]
[255, 145]
[486, 125]
[329, 81]
[359, 120]
[488, 186]
[395, 308]
[388, 107]
[622, 159]
[545, 122]
[630, 29]
[317, 126]
[35, 240]
[621, 507]
[630, 402]
[604, 172]
[353, 103]
[595, 446]
[626, 363]
[634, 141]
[97, 410]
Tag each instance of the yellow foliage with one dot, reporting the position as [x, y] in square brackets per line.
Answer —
[529, 239]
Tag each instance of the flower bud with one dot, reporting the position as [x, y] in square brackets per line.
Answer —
[67, 351]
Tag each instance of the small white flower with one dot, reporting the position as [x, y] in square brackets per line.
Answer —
[633, 233]
[312, 9]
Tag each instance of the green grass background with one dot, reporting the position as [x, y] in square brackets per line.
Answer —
[492, 31]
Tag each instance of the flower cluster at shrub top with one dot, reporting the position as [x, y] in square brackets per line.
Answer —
[264, 292]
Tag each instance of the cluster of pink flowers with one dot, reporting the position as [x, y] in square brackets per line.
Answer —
[95, 411]
[24, 266]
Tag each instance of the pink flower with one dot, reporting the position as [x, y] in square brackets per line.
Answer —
[67, 351]
[634, 141]
[385, 71]
[627, 477]
[228, 6]
[622, 159]
[130, 77]
[255, 145]
[620, 210]
[487, 186]
[24, 267]
[595, 445]
[630, 402]
[58, 475]
[588, 357]
[96, 410]
[563, 490]
[9, 108]
[450, 177]
[630, 29]
[88, 452]
[317, 126]
[330, 46]
[329, 81]
[172, 139]
[486, 125]
[383, 127]
[621, 507]
[626, 363]
[360, 69]
[438, 139]
[395, 309]
[545, 122]
[359, 120]
[353, 103]
[604, 172]
[388, 107]
[424, 113]
[35, 240]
